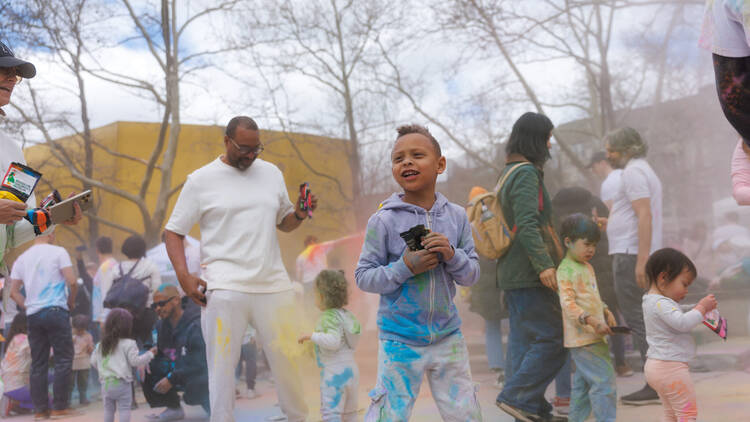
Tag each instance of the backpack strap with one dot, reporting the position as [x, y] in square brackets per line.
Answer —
[502, 180]
[119, 264]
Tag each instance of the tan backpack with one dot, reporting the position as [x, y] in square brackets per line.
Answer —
[492, 236]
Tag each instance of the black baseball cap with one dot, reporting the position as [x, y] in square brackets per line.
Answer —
[596, 157]
[8, 59]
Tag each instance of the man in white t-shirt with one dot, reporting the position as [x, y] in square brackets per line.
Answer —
[634, 230]
[239, 201]
[46, 273]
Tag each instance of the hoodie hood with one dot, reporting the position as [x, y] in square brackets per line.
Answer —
[351, 327]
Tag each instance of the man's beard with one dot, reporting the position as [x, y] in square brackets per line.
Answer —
[242, 163]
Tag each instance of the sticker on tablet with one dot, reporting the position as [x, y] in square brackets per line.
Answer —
[20, 180]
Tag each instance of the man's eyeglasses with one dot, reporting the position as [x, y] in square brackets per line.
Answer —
[245, 150]
[6, 72]
[161, 303]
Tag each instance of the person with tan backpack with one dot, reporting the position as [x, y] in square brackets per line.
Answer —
[526, 274]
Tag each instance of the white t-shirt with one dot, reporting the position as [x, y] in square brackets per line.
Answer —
[611, 185]
[102, 282]
[146, 271]
[724, 30]
[238, 212]
[638, 181]
[40, 269]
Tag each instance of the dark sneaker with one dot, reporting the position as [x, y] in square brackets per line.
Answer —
[519, 414]
[553, 418]
[642, 397]
[624, 371]
[40, 416]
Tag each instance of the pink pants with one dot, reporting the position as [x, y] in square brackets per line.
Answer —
[672, 382]
[741, 175]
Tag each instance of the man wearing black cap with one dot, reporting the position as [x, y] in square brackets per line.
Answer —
[15, 231]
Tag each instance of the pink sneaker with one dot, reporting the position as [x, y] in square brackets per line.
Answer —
[741, 175]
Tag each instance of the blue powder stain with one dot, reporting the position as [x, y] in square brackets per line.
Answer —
[453, 391]
[337, 382]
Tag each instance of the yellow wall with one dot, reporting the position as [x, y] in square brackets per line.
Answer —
[198, 145]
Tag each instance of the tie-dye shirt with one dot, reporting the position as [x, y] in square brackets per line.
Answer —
[578, 295]
[40, 269]
[724, 28]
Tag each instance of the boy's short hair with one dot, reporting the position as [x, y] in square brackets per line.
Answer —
[80, 322]
[333, 288]
[134, 247]
[104, 245]
[579, 226]
[415, 128]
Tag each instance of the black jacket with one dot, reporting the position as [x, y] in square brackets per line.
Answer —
[183, 345]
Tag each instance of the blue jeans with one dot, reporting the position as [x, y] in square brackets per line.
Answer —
[494, 339]
[563, 382]
[50, 328]
[593, 384]
[535, 348]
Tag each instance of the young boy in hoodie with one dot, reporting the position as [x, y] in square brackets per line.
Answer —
[419, 324]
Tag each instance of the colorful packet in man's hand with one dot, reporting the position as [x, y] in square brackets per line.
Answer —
[716, 322]
[305, 195]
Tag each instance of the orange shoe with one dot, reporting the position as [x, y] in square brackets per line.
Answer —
[40, 416]
[65, 413]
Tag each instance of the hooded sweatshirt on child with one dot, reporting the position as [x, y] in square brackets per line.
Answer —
[416, 310]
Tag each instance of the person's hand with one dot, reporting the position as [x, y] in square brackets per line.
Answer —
[304, 338]
[640, 274]
[163, 386]
[437, 242]
[71, 303]
[420, 261]
[153, 350]
[610, 318]
[600, 221]
[77, 214]
[11, 211]
[599, 326]
[707, 304]
[190, 285]
[549, 278]
[142, 371]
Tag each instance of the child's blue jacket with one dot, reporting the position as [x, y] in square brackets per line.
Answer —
[416, 310]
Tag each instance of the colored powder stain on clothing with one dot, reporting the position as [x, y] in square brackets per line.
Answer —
[399, 352]
[286, 328]
[337, 382]
[453, 392]
[222, 338]
[422, 281]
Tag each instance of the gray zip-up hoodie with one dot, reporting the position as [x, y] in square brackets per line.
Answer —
[416, 310]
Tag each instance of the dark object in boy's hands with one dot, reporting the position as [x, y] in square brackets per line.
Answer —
[620, 329]
[414, 236]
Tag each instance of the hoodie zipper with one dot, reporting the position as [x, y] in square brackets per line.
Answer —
[432, 289]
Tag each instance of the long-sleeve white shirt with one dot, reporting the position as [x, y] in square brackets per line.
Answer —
[668, 329]
[119, 363]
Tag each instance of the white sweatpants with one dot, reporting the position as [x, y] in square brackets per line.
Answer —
[273, 315]
[339, 390]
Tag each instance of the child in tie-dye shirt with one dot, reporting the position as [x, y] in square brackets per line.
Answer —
[586, 322]
[335, 337]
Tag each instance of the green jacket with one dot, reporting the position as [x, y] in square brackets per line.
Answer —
[535, 247]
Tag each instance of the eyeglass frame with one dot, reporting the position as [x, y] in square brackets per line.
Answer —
[5, 72]
[161, 303]
[245, 150]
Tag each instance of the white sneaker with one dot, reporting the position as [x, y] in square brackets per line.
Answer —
[251, 394]
[172, 415]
